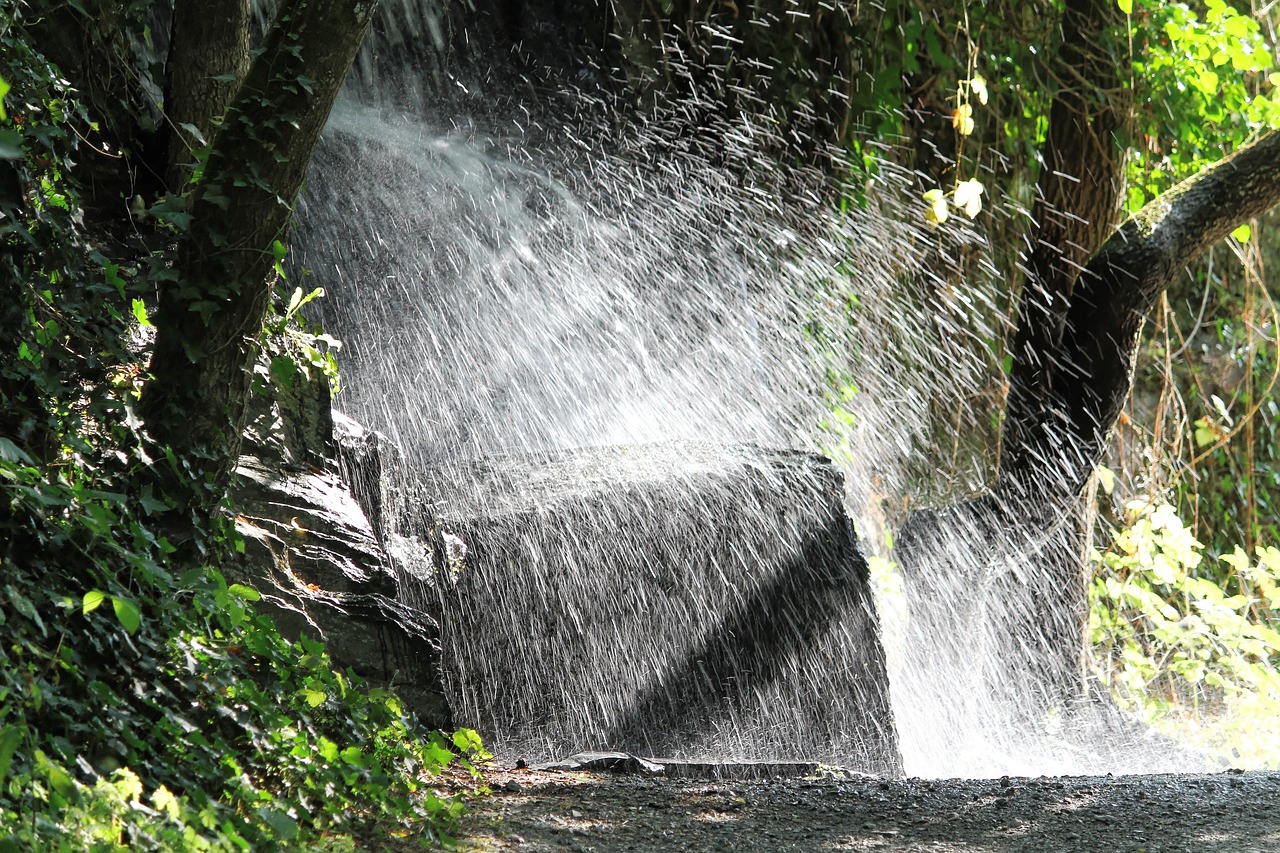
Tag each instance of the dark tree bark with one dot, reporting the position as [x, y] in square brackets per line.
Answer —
[1078, 196]
[208, 57]
[1119, 286]
[211, 316]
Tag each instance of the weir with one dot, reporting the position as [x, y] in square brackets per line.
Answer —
[613, 346]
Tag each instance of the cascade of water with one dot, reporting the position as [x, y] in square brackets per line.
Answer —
[524, 278]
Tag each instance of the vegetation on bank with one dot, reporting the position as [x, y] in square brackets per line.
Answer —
[144, 703]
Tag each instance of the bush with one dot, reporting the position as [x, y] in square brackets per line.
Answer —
[1190, 648]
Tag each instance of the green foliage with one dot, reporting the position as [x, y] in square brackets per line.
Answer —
[1174, 642]
[177, 718]
[1206, 86]
[295, 345]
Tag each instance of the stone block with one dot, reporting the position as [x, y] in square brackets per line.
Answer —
[689, 601]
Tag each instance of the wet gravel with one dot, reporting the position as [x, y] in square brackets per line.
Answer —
[532, 810]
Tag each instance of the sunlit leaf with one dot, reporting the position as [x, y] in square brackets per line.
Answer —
[247, 593]
[968, 197]
[979, 87]
[128, 613]
[1126, 6]
[140, 313]
[1242, 233]
[92, 601]
[314, 698]
[165, 802]
[936, 212]
[1106, 479]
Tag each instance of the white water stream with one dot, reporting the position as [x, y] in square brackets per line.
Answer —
[503, 291]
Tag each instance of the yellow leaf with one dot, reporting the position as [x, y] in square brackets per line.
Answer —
[164, 801]
[1106, 479]
[979, 86]
[962, 119]
[968, 197]
[936, 212]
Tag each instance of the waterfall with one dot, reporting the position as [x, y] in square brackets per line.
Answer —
[521, 261]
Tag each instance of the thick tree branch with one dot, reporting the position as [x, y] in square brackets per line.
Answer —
[1094, 364]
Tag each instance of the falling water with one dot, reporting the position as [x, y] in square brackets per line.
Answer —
[525, 270]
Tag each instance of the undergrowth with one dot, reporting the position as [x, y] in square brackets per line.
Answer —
[1190, 647]
[144, 703]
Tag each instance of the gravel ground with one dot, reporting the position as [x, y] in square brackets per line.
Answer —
[539, 810]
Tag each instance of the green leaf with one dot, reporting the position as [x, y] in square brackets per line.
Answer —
[10, 145]
[278, 251]
[24, 606]
[92, 601]
[1126, 6]
[10, 737]
[150, 503]
[140, 313]
[11, 452]
[285, 826]
[467, 740]
[128, 612]
[4, 90]
[248, 593]
[1242, 233]
[314, 698]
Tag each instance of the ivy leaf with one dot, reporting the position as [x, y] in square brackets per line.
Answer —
[24, 606]
[128, 612]
[314, 698]
[247, 593]
[285, 826]
[165, 802]
[150, 503]
[140, 313]
[10, 145]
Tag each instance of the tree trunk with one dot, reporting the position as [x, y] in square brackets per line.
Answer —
[210, 318]
[208, 57]
[1077, 201]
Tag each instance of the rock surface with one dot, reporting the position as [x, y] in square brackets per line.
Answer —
[313, 554]
[682, 600]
